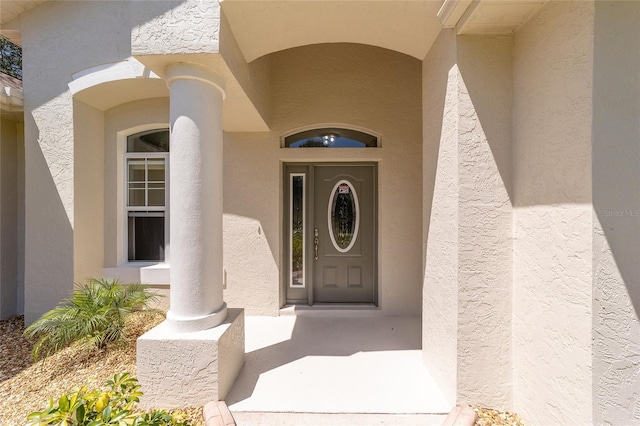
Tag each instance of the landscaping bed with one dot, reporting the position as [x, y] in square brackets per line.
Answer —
[26, 386]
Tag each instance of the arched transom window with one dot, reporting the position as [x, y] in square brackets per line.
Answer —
[331, 137]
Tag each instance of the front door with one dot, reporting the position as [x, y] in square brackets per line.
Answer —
[331, 236]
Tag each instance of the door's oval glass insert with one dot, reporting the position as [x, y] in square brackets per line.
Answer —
[343, 216]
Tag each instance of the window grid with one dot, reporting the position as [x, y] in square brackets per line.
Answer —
[146, 184]
[148, 207]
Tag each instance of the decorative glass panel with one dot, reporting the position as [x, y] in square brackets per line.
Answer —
[344, 216]
[331, 138]
[297, 230]
[153, 141]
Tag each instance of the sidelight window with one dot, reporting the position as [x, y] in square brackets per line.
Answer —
[297, 230]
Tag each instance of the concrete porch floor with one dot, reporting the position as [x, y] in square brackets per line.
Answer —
[335, 367]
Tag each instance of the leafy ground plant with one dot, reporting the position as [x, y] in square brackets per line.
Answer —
[95, 315]
[114, 406]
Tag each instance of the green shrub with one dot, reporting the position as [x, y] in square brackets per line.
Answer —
[95, 315]
[102, 407]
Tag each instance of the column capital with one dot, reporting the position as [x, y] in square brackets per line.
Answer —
[191, 71]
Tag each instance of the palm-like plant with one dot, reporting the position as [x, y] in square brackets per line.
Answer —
[95, 315]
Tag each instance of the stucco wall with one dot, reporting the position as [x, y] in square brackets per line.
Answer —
[440, 87]
[334, 83]
[8, 218]
[175, 26]
[467, 96]
[616, 202]
[485, 220]
[59, 39]
[552, 215]
[88, 191]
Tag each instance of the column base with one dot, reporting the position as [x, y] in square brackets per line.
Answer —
[179, 370]
[188, 325]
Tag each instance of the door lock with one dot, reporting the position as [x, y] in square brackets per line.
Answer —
[315, 242]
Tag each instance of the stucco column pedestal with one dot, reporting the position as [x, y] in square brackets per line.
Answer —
[178, 369]
[194, 356]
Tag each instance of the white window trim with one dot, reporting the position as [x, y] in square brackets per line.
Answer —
[130, 272]
[124, 175]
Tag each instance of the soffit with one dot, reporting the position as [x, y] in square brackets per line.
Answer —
[10, 10]
[497, 16]
[261, 27]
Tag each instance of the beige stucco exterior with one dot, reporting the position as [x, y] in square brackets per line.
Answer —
[616, 201]
[467, 87]
[553, 214]
[507, 185]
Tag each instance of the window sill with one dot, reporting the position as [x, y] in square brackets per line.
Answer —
[140, 272]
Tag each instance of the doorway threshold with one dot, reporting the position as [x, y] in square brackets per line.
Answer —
[331, 309]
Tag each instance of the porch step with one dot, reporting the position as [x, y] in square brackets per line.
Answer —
[217, 413]
[335, 419]
[332, 310]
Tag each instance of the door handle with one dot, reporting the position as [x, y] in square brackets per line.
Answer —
[315, 242]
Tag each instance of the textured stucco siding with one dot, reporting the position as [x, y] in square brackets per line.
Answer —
[338, 84]
[88, 192]
[484, 220]
[175, 27]
[467, 95]
[9, 147]
[59, 39]
[251, 274]
[440, 87]
[553, 215]
[197, 367]
[616, 201]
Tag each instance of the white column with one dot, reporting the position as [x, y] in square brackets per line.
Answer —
[196, 96]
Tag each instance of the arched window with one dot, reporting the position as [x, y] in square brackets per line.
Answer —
[147, 195]
[331, 137]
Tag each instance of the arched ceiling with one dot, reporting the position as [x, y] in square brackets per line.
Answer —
[265, 26]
